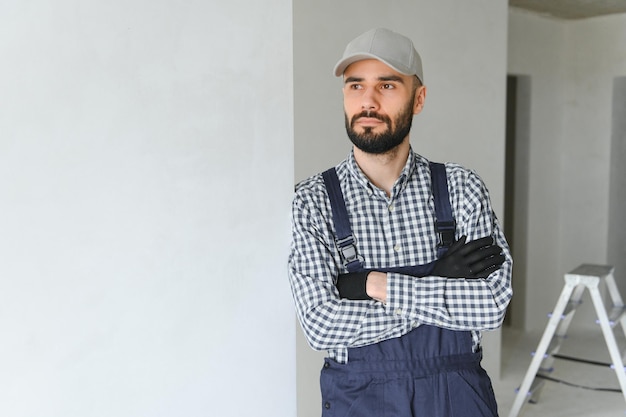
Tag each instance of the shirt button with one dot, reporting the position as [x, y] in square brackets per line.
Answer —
[390, 207]
[396, 248]
[398, 312]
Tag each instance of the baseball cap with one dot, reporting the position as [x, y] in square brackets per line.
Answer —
[387, 46]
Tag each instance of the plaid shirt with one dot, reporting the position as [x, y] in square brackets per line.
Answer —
[391, 231]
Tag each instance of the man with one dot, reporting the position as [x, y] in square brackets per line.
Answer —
[400, 344]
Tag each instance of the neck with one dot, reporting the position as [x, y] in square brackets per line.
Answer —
[383, 169]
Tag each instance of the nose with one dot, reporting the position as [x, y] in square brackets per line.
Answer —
[368, 100]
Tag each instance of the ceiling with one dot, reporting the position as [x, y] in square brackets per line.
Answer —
[572, 9]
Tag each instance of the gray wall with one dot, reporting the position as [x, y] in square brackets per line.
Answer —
[463, 48]
[141, 142]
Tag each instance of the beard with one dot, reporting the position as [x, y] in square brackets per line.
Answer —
[383, 142]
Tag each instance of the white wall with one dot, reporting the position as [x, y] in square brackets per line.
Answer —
[137, 278]
[463, 47]
[572, 65]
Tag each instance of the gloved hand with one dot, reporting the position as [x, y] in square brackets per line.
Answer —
[352, 285]
[476, 259]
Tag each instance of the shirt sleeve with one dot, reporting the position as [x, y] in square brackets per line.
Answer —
[459, 304]
[328, 321]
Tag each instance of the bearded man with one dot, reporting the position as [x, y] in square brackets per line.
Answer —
[399, 344]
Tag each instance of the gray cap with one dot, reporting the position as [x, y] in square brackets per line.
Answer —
[393, 49]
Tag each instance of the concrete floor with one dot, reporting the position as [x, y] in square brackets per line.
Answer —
[560, 400]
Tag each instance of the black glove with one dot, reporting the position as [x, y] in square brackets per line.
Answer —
[352, 285]
[476, 259]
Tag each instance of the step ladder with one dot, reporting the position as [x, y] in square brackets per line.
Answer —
[584, 277]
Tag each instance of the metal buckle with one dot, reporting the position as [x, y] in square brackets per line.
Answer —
[347, 249]
[445, 233]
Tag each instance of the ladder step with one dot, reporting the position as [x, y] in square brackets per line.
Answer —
[555, 344]
[553, 347]
[615, 314]
[535, 390]
[569, 309]
[536, 384]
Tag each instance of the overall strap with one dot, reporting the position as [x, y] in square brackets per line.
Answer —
[445, 225]
[444, 222]
[345, 238]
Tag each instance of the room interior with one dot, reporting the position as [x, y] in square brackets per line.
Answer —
[149, 149]
[552, 46]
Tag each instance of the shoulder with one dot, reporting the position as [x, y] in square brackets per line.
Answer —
[312, 185]
[312, 193]
[457, 175]
[466, 186]
[314, 188]
[460, 176]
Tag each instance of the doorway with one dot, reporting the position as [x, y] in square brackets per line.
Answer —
[617, 185]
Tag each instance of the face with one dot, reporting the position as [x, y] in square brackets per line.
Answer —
[379, 104]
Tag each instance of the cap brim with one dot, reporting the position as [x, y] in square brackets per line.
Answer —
[351, 59]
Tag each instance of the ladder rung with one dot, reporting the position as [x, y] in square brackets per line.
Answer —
[615, 314]
[535, 389]
[536, 384]
[569, 309]
[555, 344]
[553, 347]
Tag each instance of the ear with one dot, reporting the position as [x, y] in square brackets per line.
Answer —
[420, 98]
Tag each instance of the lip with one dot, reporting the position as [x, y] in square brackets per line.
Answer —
[369, 121]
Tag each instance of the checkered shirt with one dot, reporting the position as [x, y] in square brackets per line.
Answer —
[396, 230]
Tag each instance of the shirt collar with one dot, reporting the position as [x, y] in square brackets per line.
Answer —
[400, 183]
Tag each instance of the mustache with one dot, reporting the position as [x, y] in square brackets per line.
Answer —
[370, 114]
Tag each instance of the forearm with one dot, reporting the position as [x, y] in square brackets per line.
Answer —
[457, 304]
[463, 304]
[329, 322]
[463, 263]
[333, 323]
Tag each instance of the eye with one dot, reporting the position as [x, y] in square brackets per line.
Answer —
[355, 86]
[387, 86]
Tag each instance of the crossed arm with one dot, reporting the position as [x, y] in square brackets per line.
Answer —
[332, 322]
[469, 260]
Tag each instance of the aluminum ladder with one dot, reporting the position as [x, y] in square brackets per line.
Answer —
[588, 277]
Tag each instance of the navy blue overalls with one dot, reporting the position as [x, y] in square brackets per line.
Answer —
[430, 371]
